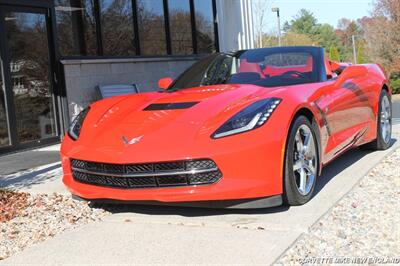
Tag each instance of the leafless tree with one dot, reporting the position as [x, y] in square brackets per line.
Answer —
[260, 9]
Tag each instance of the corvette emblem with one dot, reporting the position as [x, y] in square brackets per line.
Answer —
[132, 141]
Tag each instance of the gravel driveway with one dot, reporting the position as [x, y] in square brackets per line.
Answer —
[364, 224]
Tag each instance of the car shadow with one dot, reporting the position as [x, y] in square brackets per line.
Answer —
[25, 160]
[26, 179]
[329, 172]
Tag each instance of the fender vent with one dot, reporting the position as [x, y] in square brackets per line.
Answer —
[169, 106]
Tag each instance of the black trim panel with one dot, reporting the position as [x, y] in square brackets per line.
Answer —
[169, 106]
[252, 203]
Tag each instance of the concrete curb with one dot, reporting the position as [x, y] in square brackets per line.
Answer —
[395, 146]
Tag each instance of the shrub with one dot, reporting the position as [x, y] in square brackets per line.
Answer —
[395, 83]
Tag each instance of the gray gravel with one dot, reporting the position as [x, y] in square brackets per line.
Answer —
[46, 216]
[364, 224]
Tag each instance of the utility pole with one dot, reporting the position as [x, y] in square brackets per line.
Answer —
[276, 9]
[354, 49]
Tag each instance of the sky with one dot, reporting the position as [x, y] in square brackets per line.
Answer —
[326, 11]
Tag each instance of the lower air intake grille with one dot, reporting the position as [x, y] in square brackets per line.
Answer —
[148, 175]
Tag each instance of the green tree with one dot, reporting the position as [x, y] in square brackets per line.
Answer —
[293, 39]
[346, 29]
[325, 36]
[311, 32]
[334, 54]
[303, 23]
[362, 56]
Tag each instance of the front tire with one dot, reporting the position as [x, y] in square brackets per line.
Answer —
[301, 162]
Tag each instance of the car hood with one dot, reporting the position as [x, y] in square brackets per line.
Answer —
[167, 119]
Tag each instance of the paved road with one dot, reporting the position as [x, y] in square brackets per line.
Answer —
[17, 162]
[160, 235]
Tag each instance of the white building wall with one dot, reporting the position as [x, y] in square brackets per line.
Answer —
[235, 24]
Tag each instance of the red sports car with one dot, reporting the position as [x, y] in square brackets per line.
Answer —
[244, 129]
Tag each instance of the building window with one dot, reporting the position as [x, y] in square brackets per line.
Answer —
[180, 27]
[151, 27]
[117, 27]
[204, 26]
[135, 27]
[76, 26]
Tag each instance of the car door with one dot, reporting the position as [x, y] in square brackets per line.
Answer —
[325, 104]
[349, 112]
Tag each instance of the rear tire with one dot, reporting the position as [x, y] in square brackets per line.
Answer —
[384, 124]
[301, 162]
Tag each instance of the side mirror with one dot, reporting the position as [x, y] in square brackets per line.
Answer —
[349, 73]
[164, 83]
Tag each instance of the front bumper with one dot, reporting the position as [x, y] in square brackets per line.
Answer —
[249, 171]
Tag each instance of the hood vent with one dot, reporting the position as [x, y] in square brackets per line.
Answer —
[169, 106]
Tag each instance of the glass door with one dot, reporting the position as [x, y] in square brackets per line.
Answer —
[4, 132]
[28, 63]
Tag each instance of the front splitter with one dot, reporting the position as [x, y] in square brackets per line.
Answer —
[255, 203]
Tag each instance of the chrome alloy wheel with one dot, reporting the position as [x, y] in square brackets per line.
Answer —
[304, 160]
[386, 119]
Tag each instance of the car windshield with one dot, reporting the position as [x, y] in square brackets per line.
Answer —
[262, 67]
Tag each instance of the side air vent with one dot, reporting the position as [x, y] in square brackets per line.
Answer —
[169, 106]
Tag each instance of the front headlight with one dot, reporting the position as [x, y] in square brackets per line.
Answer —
[251, 117]
[76, 125]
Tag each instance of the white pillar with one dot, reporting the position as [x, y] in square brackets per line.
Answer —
[235, 24]
[249, 25]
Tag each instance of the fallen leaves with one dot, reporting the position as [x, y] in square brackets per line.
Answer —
[12, 204]
[28, 219]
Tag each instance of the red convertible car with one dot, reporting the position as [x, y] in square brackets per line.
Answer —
[244, 129]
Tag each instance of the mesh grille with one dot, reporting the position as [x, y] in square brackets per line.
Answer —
[201, 164]
[94, 166]
[137, 168]
[113, 168]
[171, 166]
[78, 164]
[174, 180]
[138, 182]
[115, 175]
[211, 177]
